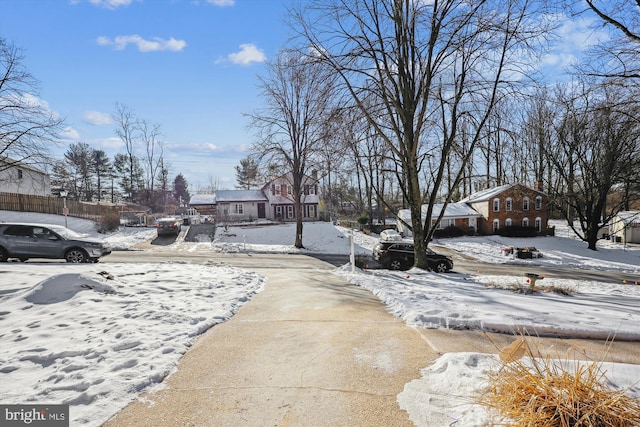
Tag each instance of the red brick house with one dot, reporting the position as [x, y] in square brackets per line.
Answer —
[510, 205]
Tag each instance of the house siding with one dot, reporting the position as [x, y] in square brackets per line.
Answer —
[517, 214]
[274, 201]
[22, 179]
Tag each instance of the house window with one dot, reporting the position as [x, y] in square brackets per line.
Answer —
[496, 225]
[539, 225]
[525, 222]
[508, 204]
[273, 189]
[278, 211]
[310, 211]
[289, 211]
[238, 209]
[538, 203]
[508, 222]
[525, 204]
[19, 173]
[496, 205]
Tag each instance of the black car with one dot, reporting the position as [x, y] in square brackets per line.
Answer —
[169, 226]
[399, 255]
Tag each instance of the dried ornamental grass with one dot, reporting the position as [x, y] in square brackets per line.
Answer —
[542, 391]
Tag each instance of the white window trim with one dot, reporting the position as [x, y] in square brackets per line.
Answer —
[538, 224]
[538, 203]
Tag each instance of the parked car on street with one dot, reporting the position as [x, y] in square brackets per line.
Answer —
[170, 226]
[24, 241]
[400, 255]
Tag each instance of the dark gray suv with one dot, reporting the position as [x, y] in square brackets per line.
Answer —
[24, 241]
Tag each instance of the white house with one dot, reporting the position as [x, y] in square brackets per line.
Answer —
[625, 227]
[274, 201]
[19, 178]
[233, 205]
[279, 193]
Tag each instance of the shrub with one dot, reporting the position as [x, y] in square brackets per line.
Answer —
[518, 231]
[109, 222]
[363, 219]
[564, 392]
[450, 231]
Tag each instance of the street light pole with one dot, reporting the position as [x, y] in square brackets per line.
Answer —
[65, 211]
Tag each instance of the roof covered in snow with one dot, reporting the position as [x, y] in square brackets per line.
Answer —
[490, 193]
[203, 199]
[453, 210]
[240, 196]
[630, 217]
[228, 196]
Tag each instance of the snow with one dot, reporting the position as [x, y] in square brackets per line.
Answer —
[95, 335]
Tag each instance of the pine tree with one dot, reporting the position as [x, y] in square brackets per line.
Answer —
[247, 174]
[181, 189]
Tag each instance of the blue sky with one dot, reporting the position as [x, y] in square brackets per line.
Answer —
[190, 66]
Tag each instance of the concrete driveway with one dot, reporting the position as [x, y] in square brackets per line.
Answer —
[311, 350]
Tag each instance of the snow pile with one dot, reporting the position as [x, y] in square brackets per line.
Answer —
[96, 336]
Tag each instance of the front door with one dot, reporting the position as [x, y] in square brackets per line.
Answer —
[261, 211]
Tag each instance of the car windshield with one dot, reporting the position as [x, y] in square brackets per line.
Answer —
[66, 233]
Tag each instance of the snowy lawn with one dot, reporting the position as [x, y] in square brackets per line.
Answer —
[96, 335]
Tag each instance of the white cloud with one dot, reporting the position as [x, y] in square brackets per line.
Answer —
[97, 118]
[107, 4]
[156, 45]
[69, 134]
[221, 3]
[575, 36]
[247, 55]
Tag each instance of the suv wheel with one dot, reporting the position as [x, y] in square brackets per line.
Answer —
[3, 255]
[441, 267]
[76, 255]
[396, 264]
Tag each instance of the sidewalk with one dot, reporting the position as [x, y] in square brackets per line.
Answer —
[313, 350]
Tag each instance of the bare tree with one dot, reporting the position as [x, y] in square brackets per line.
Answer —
[597, 145]
[423, 67]
[27, 126]
[297, 91]
[127, 130]
[150, 137]
[618, 57]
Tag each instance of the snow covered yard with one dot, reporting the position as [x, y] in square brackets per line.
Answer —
[95, 335]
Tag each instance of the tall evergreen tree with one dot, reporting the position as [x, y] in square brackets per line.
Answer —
[79, 158]
[247, 174]
[181, 189]
[101, 169]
